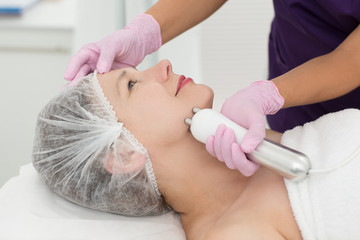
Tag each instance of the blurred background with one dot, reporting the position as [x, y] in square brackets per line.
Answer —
[227, 51]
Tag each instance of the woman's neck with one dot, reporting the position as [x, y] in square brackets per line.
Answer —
[205, 192]
[197, 185]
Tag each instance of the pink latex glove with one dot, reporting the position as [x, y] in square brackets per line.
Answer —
[248, 108]
[124, 48]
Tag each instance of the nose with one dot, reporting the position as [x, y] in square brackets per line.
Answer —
[165, 69]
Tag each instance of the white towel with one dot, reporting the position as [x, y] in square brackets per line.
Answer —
[327, 205]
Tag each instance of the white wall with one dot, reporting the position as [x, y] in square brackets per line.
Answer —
[234, 46]
[227, 52]
[34, 51]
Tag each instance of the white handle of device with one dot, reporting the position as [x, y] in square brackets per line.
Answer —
[287, 162]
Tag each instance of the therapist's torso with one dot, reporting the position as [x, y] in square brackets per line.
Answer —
[302, 30]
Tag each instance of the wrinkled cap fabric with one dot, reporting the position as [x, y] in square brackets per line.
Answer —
[86, 156]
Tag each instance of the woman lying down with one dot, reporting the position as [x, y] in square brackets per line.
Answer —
[117, 142]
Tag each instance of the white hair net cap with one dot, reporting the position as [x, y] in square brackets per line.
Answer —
[85, 155]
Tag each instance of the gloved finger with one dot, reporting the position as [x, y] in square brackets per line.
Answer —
[83, 71]
[245, 166]
[106, 59]
[227, 141]
[76, 62]
[253, 137]
[67, 84]
[217, 142]
[210, 145]
[71, 83]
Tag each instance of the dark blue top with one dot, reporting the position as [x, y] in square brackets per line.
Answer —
[302, 30]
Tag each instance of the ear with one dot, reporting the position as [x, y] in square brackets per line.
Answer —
[136, 162]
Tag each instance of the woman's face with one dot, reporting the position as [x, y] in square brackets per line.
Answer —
[154, 103]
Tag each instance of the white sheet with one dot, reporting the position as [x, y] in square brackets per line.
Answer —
[326, 206]
[29, 210]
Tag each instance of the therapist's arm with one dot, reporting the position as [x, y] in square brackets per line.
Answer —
[273, 135]
[325, 77]
[177, 16]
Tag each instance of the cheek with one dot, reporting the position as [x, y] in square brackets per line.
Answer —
[200, 96]
[156, 122]
[157, 133]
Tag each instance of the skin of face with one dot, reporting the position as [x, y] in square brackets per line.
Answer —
[147, 103]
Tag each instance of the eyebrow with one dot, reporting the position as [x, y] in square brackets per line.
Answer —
[120, 78]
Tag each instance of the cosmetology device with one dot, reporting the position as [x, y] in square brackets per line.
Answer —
[287, 162]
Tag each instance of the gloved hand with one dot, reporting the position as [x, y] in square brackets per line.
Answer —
[124, 48]
[247, 108]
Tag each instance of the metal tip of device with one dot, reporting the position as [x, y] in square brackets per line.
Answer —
[188, 121]
[195, 109]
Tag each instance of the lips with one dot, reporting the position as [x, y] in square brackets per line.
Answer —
[182, 82]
